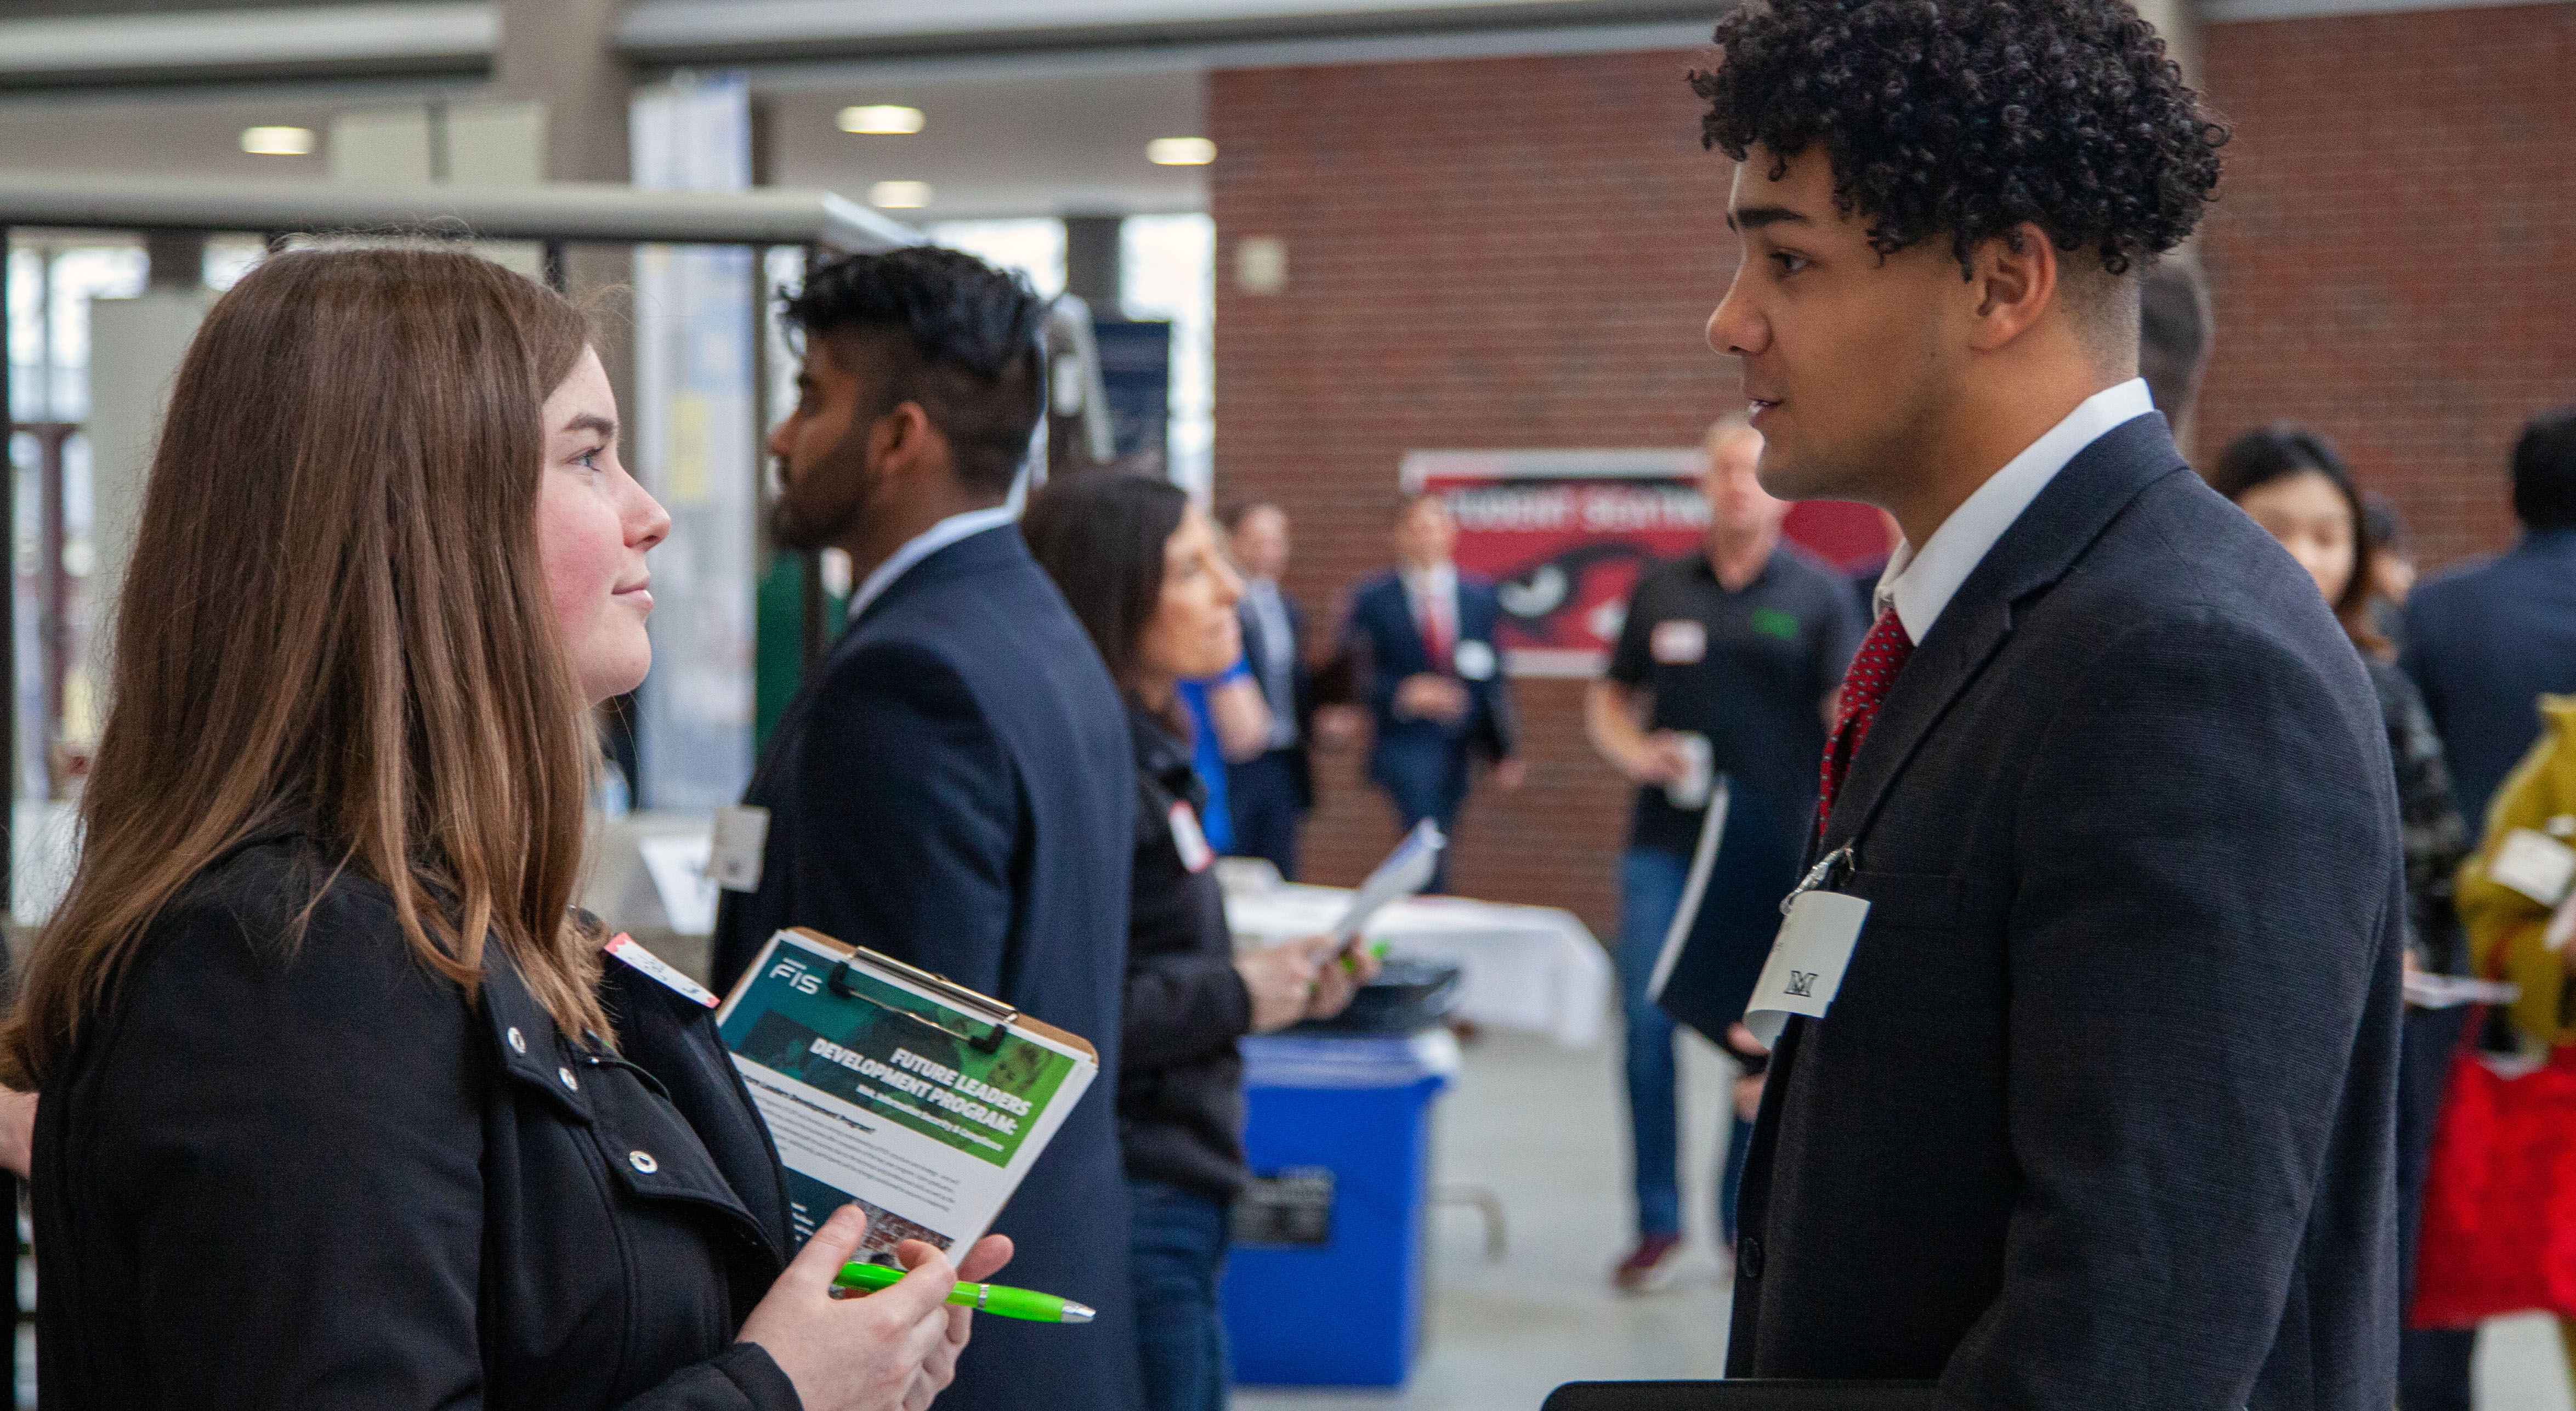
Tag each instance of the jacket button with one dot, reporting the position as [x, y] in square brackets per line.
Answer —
[643, 1161]
[518, 1041]
[1748, 1257]
[570, 1082]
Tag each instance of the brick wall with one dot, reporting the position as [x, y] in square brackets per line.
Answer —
[1521, 253]
[1481, 254]
[2393, 258]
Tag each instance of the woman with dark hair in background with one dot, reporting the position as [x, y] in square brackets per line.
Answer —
[341, 1105]
[1142, 569]
[2291, 482]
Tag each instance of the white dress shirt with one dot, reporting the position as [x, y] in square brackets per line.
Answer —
[1920, 584]
[1432, 593]
[921, 546]
[1278, 667]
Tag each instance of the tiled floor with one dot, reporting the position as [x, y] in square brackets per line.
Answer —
[1544, 1129]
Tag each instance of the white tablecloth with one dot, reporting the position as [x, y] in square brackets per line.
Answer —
[1534, 968]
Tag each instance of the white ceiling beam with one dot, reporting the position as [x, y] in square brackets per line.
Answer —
[729, 31]
[378, 38]
[559, 210]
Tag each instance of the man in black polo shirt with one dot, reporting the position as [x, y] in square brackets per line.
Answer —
[1742, 645]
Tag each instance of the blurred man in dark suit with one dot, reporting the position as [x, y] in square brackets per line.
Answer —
[2485, 638]
[1271, 792]
[953, 785]
[1423, 634]
[2173, 339]
[2087, 1015]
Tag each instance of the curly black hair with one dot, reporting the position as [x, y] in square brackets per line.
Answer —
[1973, 116]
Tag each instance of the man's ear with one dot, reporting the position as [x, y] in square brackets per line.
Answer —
[900, 441]
[2012, 289]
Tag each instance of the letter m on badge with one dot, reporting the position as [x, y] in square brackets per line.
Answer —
[1802, 983]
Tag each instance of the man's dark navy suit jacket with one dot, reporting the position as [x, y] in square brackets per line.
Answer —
[1425, 753]
[957, 790]
[2102, 1114]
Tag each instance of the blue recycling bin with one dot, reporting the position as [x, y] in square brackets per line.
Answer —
[1327, 1279]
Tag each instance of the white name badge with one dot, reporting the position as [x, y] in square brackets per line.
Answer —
[1475, 661]
[1187, 836]
[734, 859]
[2534, 864]
[623, 946]
[1679, 642]
[1807, 960]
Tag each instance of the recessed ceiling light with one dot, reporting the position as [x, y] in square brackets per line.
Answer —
[881, 120]
[899, 195]
[1180, 151]
[278, 141]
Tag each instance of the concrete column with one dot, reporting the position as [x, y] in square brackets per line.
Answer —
[557, 52]
[176, 258]
[1091, 263]
[2179, 22]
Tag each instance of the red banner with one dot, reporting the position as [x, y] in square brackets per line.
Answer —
[1564, 535]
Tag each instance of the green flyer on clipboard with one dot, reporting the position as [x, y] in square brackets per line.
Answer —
[917, 1098]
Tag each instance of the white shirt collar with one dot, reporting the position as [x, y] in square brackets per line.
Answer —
[921, 546]
[1438, 581]
[1920, 584]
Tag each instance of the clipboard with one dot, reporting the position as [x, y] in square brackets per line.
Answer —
[882, 1084]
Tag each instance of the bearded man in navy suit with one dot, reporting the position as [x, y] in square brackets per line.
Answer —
[954, 785]
[1422, 634]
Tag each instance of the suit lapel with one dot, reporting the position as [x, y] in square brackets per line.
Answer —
[1397, 608]
[1256, 643]
[2033, 553]
[975, 553]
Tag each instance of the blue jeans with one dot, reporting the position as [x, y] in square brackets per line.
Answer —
[1650, 891]
[1176, 1245]
[1425, 783]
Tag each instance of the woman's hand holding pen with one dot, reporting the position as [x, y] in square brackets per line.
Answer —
[891, 1351]
[1282, 979]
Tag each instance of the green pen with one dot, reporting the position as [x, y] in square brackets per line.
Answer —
[984, 1298]
[1376, 949]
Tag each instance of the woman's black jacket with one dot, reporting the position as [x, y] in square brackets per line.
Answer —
[327, 1178]
[1180, 1076]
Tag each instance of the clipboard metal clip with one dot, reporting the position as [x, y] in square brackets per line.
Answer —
[998, 1016]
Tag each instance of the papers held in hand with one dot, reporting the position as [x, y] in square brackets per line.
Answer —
[1406, 870]
[918, 1099]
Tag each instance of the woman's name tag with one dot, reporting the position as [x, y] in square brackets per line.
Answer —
[1807, 961]
[1196, 855]
[623, 946]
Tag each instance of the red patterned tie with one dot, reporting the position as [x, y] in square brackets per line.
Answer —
[1437, 638]
[1882, 654]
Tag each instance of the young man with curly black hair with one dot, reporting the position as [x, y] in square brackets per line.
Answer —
[2099, 1113]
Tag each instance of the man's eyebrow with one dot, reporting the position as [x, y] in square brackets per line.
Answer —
[592, 421]
[1756, 217]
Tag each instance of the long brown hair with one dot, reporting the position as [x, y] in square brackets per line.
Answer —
[336, 622]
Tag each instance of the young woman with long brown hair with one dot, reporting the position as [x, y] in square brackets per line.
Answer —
[340, 1105]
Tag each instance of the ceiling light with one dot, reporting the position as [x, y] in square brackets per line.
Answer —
[1180, 151]
[899, 195]
[278, 141]
[881, 120]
